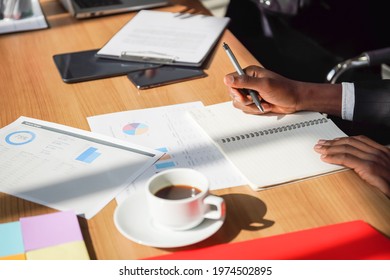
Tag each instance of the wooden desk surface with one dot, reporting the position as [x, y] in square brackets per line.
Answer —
[31, 86]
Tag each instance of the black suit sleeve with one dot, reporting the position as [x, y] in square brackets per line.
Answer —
[372, 102]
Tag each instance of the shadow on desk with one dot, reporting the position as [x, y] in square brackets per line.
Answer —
[243, 212]
[87, 238]
[12, 206]
[56, 14]
[51, 8]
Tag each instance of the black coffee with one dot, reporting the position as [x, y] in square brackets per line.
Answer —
[176, 192]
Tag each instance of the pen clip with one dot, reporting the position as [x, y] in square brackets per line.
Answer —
[152, 57]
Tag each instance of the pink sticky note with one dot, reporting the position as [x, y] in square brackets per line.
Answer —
[50, 229]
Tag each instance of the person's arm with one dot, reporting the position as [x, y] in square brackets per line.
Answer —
[370, 160]
[372, 101]
[282, 95]
[324, 98]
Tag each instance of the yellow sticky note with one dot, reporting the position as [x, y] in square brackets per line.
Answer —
[67, 251]
[14, 257]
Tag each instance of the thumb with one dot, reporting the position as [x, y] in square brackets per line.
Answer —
[234, 81]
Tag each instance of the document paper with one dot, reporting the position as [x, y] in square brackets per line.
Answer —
[169, 129]
[154, 36]
[67, 168]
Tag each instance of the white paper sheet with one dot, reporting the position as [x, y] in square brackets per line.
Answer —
[155, 36]
[169, 129]
[67, 168]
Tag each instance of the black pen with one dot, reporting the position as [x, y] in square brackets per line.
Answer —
[252, 93]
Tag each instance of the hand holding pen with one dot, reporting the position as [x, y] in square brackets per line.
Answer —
[252, 93]
[279, 94]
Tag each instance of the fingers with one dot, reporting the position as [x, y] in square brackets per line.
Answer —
[246, 81]
[371, 143]
[240, 99]
[250, 108]
[243, 102]
[370, 160]
[357, 146]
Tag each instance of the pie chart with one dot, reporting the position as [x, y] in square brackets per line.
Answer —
[135, 128]
[20, 137]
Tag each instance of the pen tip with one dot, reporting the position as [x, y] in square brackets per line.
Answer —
[260, 108]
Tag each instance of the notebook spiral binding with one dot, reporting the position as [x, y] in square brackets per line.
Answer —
[273, 130]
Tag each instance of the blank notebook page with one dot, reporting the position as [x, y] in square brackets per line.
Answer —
[268, 149]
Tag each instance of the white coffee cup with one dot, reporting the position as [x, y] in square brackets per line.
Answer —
[184, 213]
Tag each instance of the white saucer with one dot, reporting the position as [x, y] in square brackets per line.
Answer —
[133, 221]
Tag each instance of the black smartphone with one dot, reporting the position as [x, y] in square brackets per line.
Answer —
[85, 66]
[164, 75]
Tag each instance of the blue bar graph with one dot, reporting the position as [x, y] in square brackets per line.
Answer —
[165, 161]
[165, 164]
[89, 155]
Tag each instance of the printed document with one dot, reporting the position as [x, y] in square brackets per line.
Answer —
[67, 168]
[166, 38]
[169, 129]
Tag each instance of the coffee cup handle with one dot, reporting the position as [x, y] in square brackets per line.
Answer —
[219, 203]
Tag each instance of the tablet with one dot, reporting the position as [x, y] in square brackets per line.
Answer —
[164, 75]
[85, 66]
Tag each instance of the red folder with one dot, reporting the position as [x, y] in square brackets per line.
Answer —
[354, 240]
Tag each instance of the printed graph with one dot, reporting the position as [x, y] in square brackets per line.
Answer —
[165, 161]
[89, 155]
[135, 128]
[20, 137]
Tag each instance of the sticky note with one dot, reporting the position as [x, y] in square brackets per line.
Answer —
[50, 230]
[20, 257]
[67, 251]
[11, 240]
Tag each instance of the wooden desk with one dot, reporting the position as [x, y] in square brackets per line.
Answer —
[31, 86]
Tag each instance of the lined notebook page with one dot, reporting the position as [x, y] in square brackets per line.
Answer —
[268, 149]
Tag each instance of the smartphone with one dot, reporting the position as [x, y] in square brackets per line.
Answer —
[85, 66]
[164, 75]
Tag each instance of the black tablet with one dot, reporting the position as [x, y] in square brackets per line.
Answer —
[85, 66]
[164, 75]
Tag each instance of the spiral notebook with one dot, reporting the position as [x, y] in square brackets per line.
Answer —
[269, 149]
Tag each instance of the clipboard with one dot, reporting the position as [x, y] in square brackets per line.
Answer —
[165, 38]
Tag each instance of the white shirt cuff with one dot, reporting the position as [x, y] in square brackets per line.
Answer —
[348, 101]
